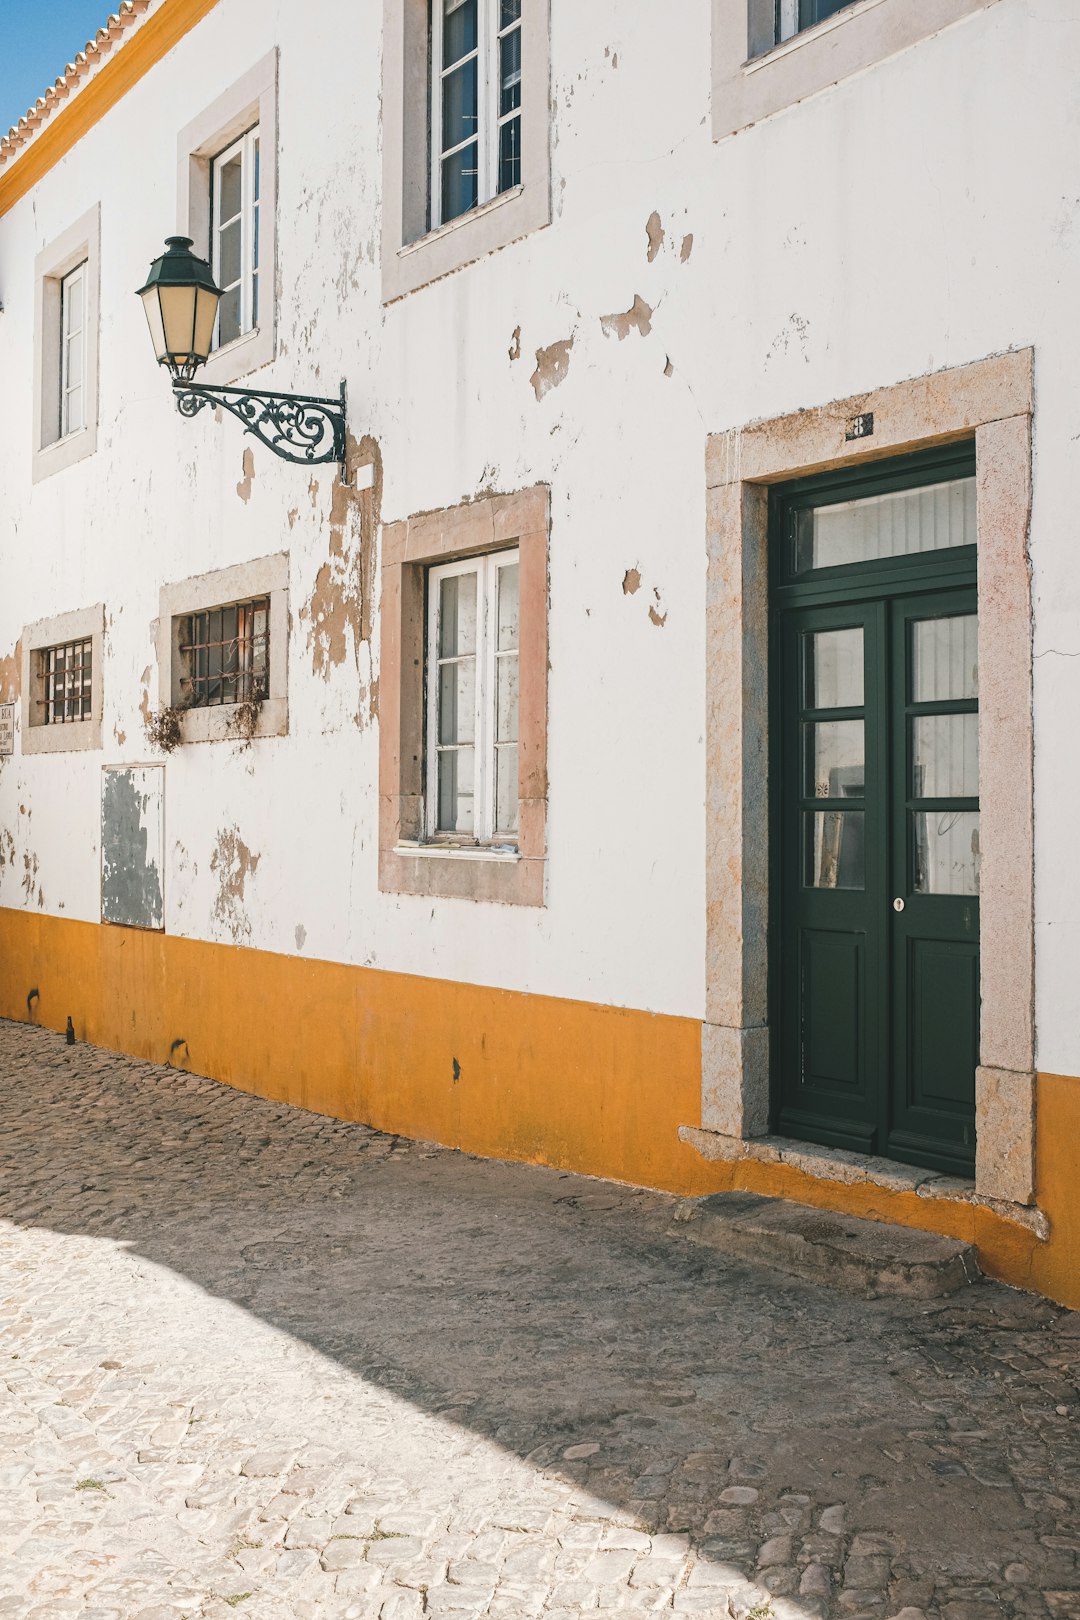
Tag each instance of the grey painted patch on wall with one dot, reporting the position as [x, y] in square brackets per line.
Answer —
[132, 845]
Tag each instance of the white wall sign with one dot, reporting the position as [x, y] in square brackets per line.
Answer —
[7, 728]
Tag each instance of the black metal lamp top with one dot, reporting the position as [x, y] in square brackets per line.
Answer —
[181, 300]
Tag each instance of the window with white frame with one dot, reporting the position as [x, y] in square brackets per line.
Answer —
[792, 16]
[234, 231]
[476, 103]
[73, 351]
[472, 700]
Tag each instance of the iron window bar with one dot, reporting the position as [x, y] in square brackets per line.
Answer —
[225, 664]
[65, 672]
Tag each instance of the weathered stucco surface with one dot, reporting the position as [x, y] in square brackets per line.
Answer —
[798, 266]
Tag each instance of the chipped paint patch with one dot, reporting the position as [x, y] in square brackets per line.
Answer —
[132, 830]
[300, 935]
[552, 365]
[233, 863]
[654, 230]
[515, 344]
[687, 247]
[631, 581]
[669, 369]
[655, 615]
[339, 610]
[638, 318]
[11, 675]
[243, 488]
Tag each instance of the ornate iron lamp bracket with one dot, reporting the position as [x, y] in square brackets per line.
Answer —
[297, 427]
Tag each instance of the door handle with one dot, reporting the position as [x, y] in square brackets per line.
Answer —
[898, 904]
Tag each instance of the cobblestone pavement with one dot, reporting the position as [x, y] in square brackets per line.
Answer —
[261, 1363]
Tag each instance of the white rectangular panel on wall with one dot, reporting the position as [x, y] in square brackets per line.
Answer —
[133, 845]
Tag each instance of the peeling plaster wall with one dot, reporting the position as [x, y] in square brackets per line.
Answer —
[923, 214]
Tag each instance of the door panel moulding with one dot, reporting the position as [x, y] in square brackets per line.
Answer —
[992, 401]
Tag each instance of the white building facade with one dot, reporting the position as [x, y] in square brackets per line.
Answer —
[711, 420]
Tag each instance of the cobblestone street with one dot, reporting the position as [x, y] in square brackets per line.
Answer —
[258, 1362]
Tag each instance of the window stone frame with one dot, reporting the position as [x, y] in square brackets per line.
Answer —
[408, 863]
[253, 99]
[80, 242]
[991, 400]
[265, 576]
[752, 78]
[412, 253]
[72, 736]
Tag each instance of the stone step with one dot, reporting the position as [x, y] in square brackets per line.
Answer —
[869, 1258]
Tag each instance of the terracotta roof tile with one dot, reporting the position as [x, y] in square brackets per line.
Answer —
[85, 63]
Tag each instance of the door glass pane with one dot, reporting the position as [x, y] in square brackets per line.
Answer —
[834, 669]
[907, 520]
[457, 615]
[835, 849]
[945, 655]
[456, 790]
[834, 755]
[457, 702]
[947, 856]
[945, 756]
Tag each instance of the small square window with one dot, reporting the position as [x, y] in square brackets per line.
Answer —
[61, 682]
[65, 682]
[223, 642]
[472, 700]
[225, 652]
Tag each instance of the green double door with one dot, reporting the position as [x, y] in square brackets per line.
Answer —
[876, 814]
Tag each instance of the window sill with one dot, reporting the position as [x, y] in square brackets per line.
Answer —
[461, 852]
[834, 50]
[218, 724]
[462, 241]
[502, 877]
[76, 736]
[245, 354]
[805, 35]
[65, 452]
[461, 221]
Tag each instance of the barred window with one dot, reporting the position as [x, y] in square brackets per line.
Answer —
[226, 654]
[65, 676]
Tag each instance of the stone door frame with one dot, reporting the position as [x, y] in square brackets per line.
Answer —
[991, 400]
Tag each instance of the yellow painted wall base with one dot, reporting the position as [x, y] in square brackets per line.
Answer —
[600, 1090]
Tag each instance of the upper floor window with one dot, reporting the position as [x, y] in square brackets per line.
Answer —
[234, 212]
[73, 351]
[792, 16]
[476, 103]
[66, 320]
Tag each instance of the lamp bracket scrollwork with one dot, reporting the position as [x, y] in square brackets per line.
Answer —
[301, 428]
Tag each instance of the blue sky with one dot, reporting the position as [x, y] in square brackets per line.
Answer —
[40, 38]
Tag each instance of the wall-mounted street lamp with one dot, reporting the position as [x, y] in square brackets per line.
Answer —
[181, 301]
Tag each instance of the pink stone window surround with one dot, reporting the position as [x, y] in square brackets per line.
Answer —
[411, 860]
